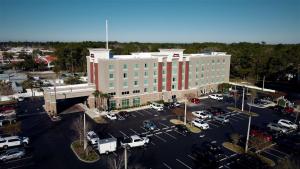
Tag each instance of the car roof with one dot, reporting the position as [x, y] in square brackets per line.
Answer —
[135, 137]
[10, 137]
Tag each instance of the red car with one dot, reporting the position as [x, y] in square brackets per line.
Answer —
[256, 132]
[195, 100]
[288, 110]
[6, 108]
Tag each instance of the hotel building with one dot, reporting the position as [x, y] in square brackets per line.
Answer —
[135, 79]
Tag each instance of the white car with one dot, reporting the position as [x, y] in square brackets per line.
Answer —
[287, 123]
[156, 106]
[111, 116]
[202, 114]
[135, 141]
[176, 104]
[11, 141]
[215, 96]
[92, 137]
[200, 123]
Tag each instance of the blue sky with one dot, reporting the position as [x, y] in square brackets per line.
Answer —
[272, 21]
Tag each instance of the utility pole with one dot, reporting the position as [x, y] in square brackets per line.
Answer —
[84, 133]
[248, 131]
[125, 157]
[185, 112]
[106, 33]
[263, 87]
[243, 98]
[235, 92]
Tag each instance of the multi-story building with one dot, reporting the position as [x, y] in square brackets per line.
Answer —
[135, 79]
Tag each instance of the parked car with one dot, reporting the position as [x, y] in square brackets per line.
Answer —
[157, 106]
[258, 132]
[276, 127]
[216, 96]
[182, 128]
[288, 124]
[169, 105]
[222, 119]
[135, 141]
[203, 114]
[216, 111]
[12, 154]
[200, 123]
[149, 125]
[111, 116]
[20, 99]
[195, 100]
[5, 108]
[92, 137]
[176, 104]
[124, 114]
[6, 142]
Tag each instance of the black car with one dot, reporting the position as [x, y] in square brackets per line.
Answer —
[124, 114]
[182, 128]
[169, 105]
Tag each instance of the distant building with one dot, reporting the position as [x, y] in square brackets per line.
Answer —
[48, 60]
[135, 79]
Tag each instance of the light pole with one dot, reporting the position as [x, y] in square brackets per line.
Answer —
[125, 157]
[185, 112]
[248, 131]
[235, 92]
[84, 132]
[243, 98]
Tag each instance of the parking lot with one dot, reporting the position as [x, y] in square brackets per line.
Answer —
[168, 148]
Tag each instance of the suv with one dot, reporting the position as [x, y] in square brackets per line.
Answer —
[276, 127]
[11, 141]
[216, 96]
[203, 114]
[156, 106]
[200, 123]
[169, 105]
[92, 137]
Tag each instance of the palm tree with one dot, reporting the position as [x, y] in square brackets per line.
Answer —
[106, 97]
[96, 94]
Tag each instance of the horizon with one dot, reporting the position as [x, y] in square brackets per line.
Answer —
[233, 21]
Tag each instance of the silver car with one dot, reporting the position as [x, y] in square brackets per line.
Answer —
[277, 127]
[222, 119]
[12, 154]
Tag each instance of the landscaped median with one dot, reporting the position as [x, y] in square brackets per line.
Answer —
[244, 112]
[88, 157]
[192, 128]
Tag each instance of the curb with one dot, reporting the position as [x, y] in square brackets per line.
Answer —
[83, 159]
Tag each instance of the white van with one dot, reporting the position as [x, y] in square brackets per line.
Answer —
[107, 145]
[157, 106]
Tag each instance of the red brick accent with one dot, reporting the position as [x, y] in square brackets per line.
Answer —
[96, 76]
[159, 80]
[91, 72]
[186, 75]
[179, 75]
[169, 76]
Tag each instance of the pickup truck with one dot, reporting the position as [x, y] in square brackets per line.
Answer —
[135, 141]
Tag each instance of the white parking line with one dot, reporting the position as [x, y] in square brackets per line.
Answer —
[21, 166]
[144, 128]
[135, 132]
[272, 154]
[170, 135]
[147, 112]
[167, 166]
[233, 119]
[133, 115]
[179, 132]
[123, 134]
[115, 154]
[139, 113]
[111, 135]
[160, 138]
[210, 123]
[16, 160]
[183, 163]
[191, 157]
[279, 151]
[236, 117]
[163, 124]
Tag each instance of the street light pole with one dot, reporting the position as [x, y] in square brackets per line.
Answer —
[125, 157]
[243, 99]
[248, 130]
[185, 112]
[84, 132]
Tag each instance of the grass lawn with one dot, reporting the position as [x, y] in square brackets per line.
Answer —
[100, 120]
[89, 157]
[233, 147]
[245, 112]
[192, 128]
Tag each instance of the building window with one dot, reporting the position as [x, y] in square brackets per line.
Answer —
[111, 84]
[125, 66]
[146, 82]
[164, 79]
[111, 67]
[155, 80]
[173, 86]
[135, 83]
[136, 66]
[136, 74]
[164, 72]
[154, 89]
[136, 91]
[146, 74]
[136, 101]
[155, 73]
[112, 93]
[112, 104]
[124, 75]
[213, 61]
[111, 76]
[125, 103]
[223, 60]
[174, 79]
[125, 84]
[125, 93]
[154, 64]
[146, 65]
[145, 90]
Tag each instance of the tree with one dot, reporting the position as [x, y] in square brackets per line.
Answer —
[73, 80]
[12, 129]
[6, 89]
[96, 94]
[29, 83]
[77, 126]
